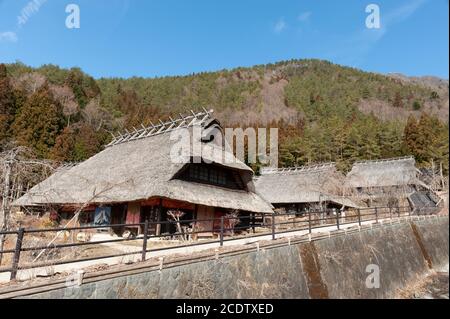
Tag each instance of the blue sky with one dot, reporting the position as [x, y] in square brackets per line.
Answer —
[174, 37]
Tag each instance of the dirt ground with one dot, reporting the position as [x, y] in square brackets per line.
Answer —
[435, 286]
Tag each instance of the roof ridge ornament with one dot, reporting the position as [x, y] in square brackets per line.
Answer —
[306, 168]
[67, 165]
[163, 127]
[385, 160]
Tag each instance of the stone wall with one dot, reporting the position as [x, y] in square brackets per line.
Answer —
[333, 267]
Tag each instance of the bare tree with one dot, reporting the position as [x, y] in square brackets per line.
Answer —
[64, 95]
[176, 216]
[77, 213]
[19, 170]
[30, 82]
[233, 219]
[96, 116]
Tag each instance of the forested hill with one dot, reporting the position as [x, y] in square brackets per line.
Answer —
[325, 112]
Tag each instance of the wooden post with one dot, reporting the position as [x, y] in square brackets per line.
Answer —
[158, 226]
[221, 230]
[16, 258]
[273, 226]
[144, 244]
[253, 222]
[376, 214]
[337, 220]
[359, 217]
[390, 212]
[195, 211]
[309, 222]
[195, 224]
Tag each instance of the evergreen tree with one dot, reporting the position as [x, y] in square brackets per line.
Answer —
[39, 122]
[76, 143]
[84, 87]
[426, 139]
[442, 147]
[411, 136]
[7, 105]
[416, 105]
[398, 101]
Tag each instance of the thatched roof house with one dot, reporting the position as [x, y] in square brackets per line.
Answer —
[303, 185]
[387, 182]
[384, 173]
[138, 168]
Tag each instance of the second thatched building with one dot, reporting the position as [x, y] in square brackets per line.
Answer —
[301, 189]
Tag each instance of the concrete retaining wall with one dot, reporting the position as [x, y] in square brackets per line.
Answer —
[334, 267]
[434, 236]
[393, 249]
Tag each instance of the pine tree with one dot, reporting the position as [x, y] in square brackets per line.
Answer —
[426, 139]
[410, 136]
[7, 105]
[365, 93]
[84, 87]
[62, 151]
[39, 122]
[442, 147]
[353, 145]
[417, 105]
[76, 143]
[398, 101]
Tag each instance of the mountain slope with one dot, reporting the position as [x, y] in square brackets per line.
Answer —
[324, 111]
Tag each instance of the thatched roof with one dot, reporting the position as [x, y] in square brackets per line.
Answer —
[381, 173]
[137, 169]
[308, 184]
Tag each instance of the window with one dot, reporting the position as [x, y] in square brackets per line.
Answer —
[203, 173]
[214, 175]
[221, 178]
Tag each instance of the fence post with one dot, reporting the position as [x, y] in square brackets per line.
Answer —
[309, 222]
[18, 249]
[144, 244]
[359, 217]
[273, 226]
[253, 222]
[390, 212]
[337, 220]
[376, 215]
[221, 231]
[398, 211]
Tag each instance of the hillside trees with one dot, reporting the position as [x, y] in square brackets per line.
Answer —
[76, 143]
[325, 96]
[427, 139]
[7, 105]
[84, 87]
[39, 122]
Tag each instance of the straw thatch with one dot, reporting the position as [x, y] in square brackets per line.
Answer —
[140, 169]
[383, 173]
[309, 184]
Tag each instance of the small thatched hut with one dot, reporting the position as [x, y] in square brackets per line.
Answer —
[135, 178]
[299, 189]
[385, 182]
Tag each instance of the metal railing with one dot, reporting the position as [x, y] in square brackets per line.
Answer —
[270, 224]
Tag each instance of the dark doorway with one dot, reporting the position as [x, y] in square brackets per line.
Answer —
[118, 213]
